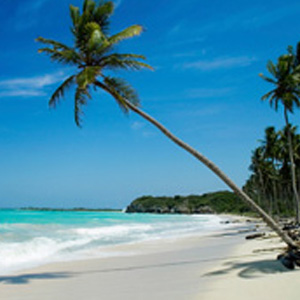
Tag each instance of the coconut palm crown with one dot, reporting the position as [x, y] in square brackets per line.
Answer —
[93, 54]
[286, 78]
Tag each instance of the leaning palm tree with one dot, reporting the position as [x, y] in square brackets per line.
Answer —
[286, 78]
[93, 54]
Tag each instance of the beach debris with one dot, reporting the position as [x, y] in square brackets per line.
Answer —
[255, 236]
[273, 249]
[286, 260]
[290, 258]
[293, 230]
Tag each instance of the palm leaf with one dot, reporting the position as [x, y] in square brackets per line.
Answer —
[127, 33]
[267, 95]
[55, 44]
[125, 55]
[272, 68]
[81, 98]
[75, 15]
[60, 91]
[88, 6]
[124, 89]
[267, 78]
[114, 63]
[102, 14]
[64, 56]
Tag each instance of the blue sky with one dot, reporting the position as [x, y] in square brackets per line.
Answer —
[205, 88]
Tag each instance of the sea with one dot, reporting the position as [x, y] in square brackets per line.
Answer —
[31, 238]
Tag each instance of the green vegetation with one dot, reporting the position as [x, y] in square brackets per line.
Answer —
[270, 183]
[280, 154]
[218, 202]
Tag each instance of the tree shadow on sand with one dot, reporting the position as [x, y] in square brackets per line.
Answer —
[26, 278]
[253, 269]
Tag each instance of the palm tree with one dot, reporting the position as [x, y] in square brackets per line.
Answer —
[286, 78]
[271, 152]
[93, 54]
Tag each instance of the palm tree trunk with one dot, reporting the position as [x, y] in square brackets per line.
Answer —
[275, 197]
[269, 221]
[264, 202]
[293, 170]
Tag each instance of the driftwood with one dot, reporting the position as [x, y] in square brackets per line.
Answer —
[255, 236]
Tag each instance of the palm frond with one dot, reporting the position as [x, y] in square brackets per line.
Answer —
[75, 15]
[64, 56]
[267, 95]
[118, 62]
[81, 98]
[127, 33]
[120, 90]
[60, 91]
[88, 6]
[274, 100]
[56, 45]
[272, 68]
[102, 14]
[124, 89]
[268, 79]
[126, 55]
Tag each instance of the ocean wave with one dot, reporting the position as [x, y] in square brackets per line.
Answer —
[24, 245]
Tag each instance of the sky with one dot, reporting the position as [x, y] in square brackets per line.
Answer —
[205, 88]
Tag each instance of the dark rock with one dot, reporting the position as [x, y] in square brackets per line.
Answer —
[287, 261]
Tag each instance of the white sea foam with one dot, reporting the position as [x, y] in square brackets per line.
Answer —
[23, 245]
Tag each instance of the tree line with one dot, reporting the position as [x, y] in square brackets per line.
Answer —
[275, 165]
[270, 182]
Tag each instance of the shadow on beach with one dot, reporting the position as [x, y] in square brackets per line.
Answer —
[26, 278]
[253, 269]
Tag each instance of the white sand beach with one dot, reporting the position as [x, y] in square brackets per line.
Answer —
[253, 273]
[219, 266]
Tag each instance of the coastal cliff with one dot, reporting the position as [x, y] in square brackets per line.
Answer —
[209, 203]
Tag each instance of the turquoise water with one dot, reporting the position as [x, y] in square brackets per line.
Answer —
[31, 238]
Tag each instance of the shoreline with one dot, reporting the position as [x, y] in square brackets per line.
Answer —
[122, 246]
[219, 265]
[169, 269]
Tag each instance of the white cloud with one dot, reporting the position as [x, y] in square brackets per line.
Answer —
[21, 93]
[29, 86]
[219, 63]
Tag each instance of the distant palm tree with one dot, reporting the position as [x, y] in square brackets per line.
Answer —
[93, 54]
[286, 78]
[271, 152]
